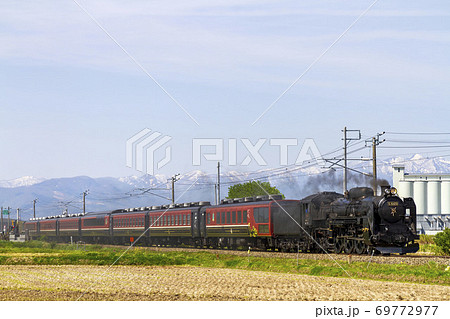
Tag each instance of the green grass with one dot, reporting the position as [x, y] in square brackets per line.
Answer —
[41, 253]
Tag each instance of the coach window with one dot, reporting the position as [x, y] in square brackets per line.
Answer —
[233, 217]
[227, 218]
[239, 216]
[244, 216]
[261, 214]
[189, 220]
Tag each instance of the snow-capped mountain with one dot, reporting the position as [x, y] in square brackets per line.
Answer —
[22, 181]
[58, 194]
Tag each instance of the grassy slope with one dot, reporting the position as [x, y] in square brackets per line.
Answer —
[40, 253]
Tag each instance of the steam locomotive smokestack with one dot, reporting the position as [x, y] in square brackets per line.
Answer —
[382, 183]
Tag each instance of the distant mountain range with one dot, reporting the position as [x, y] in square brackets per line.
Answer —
[57, 194]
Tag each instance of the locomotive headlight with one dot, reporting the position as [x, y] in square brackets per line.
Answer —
[393, 191]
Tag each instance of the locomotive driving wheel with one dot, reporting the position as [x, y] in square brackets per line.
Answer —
[338, 245]
[349, 246]
[360, 247]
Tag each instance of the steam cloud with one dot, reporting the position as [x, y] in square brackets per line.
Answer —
[332, 181]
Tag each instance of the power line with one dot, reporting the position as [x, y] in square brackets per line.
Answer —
[418, 133]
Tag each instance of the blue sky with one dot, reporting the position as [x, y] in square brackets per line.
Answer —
[70, 97]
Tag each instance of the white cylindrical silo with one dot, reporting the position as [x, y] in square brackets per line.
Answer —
[434, 197]
[445, 197]
[405, 189]
[420, 196]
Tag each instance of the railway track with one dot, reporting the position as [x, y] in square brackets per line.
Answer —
[391, 259]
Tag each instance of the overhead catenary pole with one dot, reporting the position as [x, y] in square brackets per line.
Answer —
[1, 230]
[346, 140]
[34, 207]
[174, 179]
[218, 182]
[84, 200]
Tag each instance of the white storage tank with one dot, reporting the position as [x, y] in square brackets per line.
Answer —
[445, 197]
[405, 189]
[420, 196]
[434, 197]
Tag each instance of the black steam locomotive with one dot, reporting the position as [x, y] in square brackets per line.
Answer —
[357, 222]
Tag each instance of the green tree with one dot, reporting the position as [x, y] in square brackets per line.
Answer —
[442, 240]
[252, 188]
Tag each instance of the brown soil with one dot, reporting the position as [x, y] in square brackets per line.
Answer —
[191, 283]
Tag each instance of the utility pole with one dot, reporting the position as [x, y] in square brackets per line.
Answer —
[17, 222]
[84, 201]
[218, 182]
[374, 160]
[1, 230]
[375, 142]
[346, 140]
[9, 219]
[34, 207]
[174, 179]
[345, 159]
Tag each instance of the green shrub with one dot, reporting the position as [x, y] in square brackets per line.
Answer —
[426, 239]
[442, 240]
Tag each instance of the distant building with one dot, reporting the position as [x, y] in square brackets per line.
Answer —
[431, 193]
